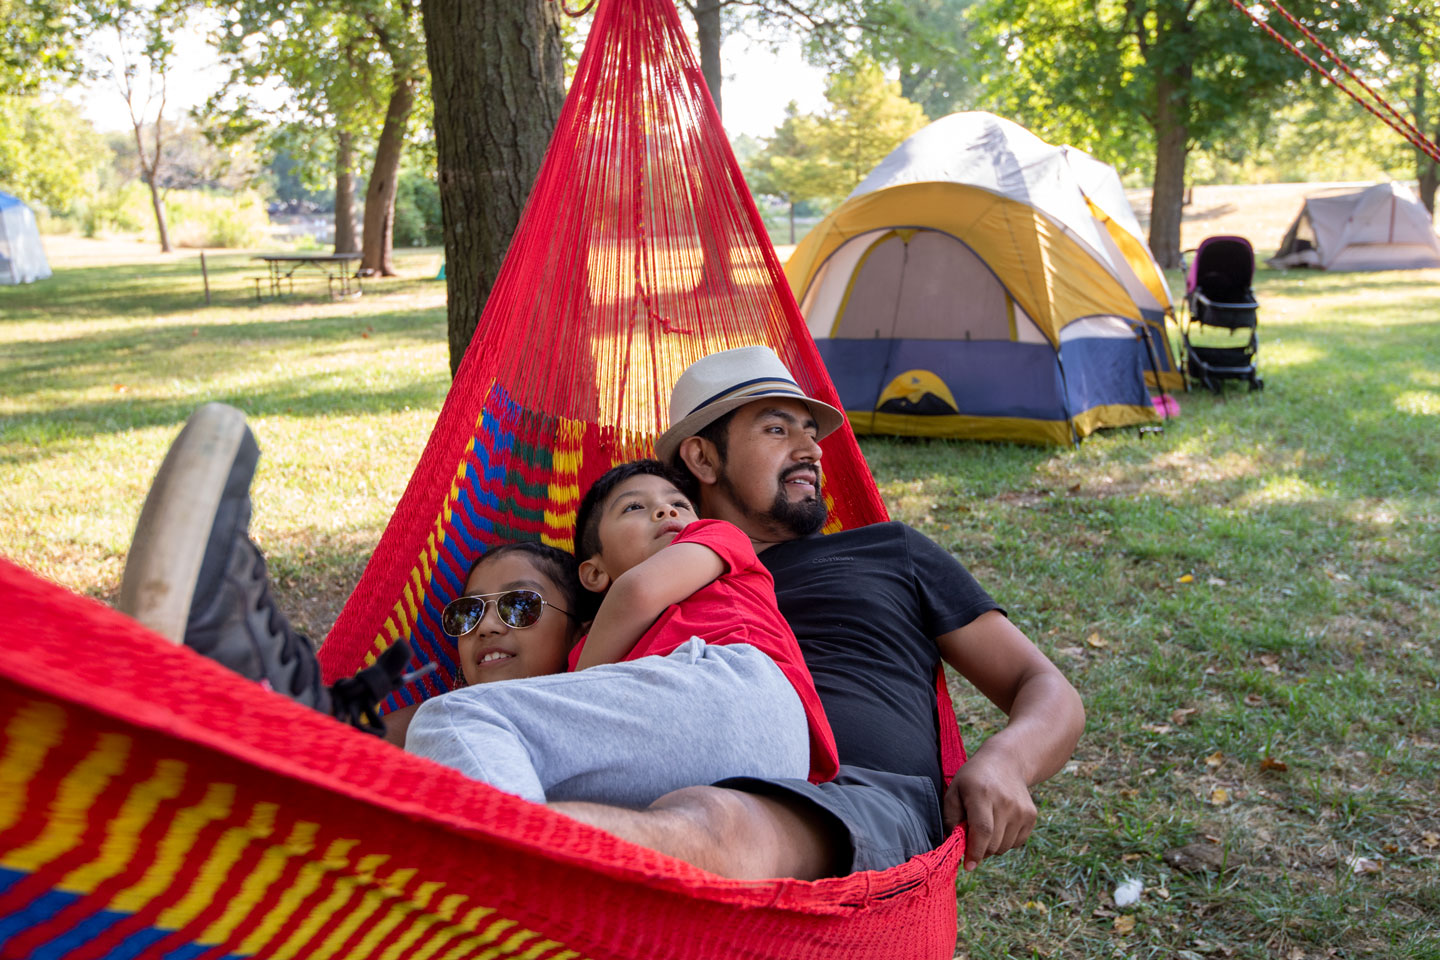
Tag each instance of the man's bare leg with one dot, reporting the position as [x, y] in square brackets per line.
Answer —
[731, 833]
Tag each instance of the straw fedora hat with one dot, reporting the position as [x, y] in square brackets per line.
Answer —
[714, 385]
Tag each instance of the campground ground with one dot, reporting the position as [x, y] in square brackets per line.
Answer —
[1248, 602]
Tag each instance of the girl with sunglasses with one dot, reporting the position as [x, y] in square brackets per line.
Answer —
[653, 707]
[519, 615]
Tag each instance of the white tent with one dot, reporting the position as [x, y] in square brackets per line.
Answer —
[22, 258]
[1380, 227]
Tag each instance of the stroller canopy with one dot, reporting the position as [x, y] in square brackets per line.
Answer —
[1380, 227]
[22, 258]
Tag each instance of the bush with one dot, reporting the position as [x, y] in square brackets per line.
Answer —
[199, 218]
[124, 209]
[417, 212]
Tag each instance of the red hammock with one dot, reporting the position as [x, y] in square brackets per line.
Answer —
[153, 805]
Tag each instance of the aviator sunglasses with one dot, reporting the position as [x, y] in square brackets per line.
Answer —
[517, 608]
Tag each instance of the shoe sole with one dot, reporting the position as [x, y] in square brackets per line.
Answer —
[165, 555]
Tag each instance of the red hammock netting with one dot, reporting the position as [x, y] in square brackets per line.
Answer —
[153, 806]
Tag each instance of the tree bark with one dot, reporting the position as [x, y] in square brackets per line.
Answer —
[377, 240]
[345, 193]
[707, 32]
[149, 170]
[499, 81]
[1172, 146]
[1427, 171]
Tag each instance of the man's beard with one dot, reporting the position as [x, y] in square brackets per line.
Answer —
[798, 519]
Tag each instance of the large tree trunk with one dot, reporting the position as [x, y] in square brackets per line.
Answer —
[707, 31]
[345, 193]
[1172, 145]
[499, 81]
[378, 238]
[1427, 171]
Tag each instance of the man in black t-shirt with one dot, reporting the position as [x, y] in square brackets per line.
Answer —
[876, 609]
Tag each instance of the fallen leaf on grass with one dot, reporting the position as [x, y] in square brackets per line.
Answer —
[1095, 640]
[1279, 766]
[1035, 906]
[1187, 578]
[121, 388]
[1160, 728]
[1178, 717]
[1254, 700]
[1124, 925]
[1430, 838]
[1215, 759]
[1074, 653]
[1215, 581]
[1219, 796]
[1296, 953]
[1362, 865]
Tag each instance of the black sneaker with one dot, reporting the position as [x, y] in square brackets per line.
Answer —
[193, 573]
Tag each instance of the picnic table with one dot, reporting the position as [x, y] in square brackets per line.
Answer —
[333, 266]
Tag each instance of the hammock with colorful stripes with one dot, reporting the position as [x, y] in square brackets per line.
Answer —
[153, 805]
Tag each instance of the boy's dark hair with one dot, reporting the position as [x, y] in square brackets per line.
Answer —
[587, 518]
[717, 431]
[556, 564]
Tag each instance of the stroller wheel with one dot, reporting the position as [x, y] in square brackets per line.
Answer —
[1256, 384]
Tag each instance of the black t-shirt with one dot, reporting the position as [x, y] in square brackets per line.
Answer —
[866, 606]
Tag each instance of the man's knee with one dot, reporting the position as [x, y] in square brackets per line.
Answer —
[731, 833]
[752, 836]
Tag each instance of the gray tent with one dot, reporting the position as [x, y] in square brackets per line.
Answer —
[1380, 227]
[22, 258]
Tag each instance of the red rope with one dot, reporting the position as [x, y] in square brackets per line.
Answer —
[1404, 121]
[565, 9]
[1416, 139]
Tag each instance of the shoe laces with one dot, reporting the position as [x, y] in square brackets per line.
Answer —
[275, 620]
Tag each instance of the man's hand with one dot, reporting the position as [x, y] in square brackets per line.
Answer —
[993, 799]
[991, 792]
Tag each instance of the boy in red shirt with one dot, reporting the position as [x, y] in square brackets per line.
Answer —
[689, 674]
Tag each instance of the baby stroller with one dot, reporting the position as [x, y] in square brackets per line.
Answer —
[1218, 297]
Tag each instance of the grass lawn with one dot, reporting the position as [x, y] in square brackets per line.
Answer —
[1248, 602]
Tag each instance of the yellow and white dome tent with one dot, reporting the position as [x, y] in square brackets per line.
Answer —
[966, 288]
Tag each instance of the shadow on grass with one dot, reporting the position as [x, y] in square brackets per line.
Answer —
[47, 365]
[168, 287]
[52, 432]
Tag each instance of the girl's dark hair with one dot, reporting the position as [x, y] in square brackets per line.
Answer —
[559, 566]
[587, 518]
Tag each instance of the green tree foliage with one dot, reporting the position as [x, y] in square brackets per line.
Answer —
[1158, 77]
[357, 71]
[791, 166]
[38, 41]
[824, 156]
[867, 117]
[49, 153]
[928, 41]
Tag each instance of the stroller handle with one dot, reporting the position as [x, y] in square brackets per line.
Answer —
[1250, 305]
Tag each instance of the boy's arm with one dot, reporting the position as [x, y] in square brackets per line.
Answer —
[641, 594]
[991, 792]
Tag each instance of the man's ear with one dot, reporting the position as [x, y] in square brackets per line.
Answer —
[701, 457]
[593, 576]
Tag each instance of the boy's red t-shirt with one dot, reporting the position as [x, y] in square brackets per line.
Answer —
[739, 607]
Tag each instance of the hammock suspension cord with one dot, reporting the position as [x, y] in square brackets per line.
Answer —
[1391, 117]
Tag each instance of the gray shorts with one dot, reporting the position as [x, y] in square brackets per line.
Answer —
[887, 817]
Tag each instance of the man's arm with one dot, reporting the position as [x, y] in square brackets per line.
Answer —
[991, 792]
[639, 595]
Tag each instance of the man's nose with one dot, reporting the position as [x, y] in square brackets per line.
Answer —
[808, 449]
